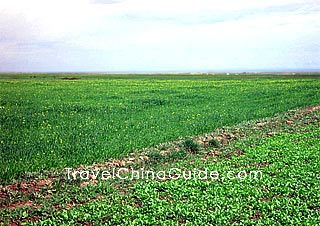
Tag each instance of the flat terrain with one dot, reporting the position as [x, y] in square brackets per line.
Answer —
[220, 123]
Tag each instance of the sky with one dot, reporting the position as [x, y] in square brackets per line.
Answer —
[159, 35]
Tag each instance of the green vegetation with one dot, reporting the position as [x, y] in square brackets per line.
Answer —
[49, 123]
[190, 146]
[214, 143]
[284, 149]
[266, 170]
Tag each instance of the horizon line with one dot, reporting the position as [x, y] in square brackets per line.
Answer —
[210, 71]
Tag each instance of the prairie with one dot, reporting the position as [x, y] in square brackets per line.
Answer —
[50, 122]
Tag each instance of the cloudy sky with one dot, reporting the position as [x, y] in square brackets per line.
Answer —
[159, 35]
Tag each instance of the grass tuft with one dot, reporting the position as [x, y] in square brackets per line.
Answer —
[214, 143]
[191, 146]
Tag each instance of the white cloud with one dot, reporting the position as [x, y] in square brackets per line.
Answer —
[206, 34]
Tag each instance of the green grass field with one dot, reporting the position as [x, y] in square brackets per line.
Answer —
[48, 123]
[57, 123]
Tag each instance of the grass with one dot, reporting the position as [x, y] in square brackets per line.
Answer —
[214, 143]
[49, 123]
[190, 146]
[284, 148]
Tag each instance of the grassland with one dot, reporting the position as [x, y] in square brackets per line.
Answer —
[49, 124]
[57, 123]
